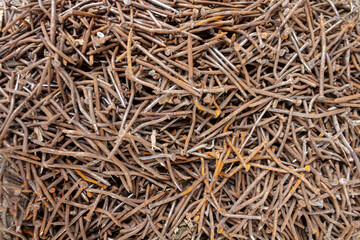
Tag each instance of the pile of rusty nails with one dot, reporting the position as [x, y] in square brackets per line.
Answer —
[179, 119]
